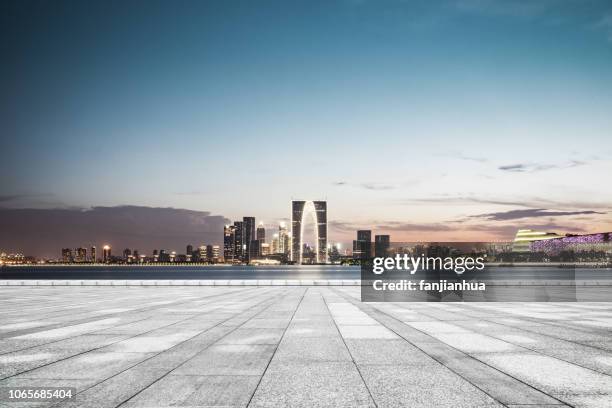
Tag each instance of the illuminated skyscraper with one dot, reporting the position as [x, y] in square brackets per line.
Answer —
[274, 247]
[300, 212]
[106, 253]
[229, 243]
[238, 241]
[283, 239]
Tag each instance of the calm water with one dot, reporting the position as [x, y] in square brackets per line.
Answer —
[266, 272]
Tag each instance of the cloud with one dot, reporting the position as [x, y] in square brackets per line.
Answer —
[368, 186]
[4, 198]
[528, 202]
[377, 186]
[43, 232]
[530, 213]
[534, 167]
[460, 156]
[190, 193]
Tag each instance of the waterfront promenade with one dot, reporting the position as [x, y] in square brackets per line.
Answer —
[308, 346]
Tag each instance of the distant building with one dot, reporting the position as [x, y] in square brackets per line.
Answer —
[127, 254]
[229, 243]
[382, 244]
[67, 255]
[212, 253]
[261, 233]
[80, 255]
[317, 210]
[265, 249]
[248, 235]
[524, 237]
[238, 242]
[106, 254]
[274, 245]
[362, 246]
[284, 246]
[163, 256]
[93, 254]
[254, 250]
[600, 242]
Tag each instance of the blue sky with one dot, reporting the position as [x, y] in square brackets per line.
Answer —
[417, 118]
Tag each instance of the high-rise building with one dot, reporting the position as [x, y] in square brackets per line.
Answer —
[189, 253]
[67, 255]
[106, 254]
[238, 241]
[317, 211]
[93, 254]
[248, 236]
[274, 246]
[127, 254]
[382, 243]
[212, 253]
[261, 233]
[80, 255]
[362, 246]
[202, 254]
[229, 243]
[283, 239]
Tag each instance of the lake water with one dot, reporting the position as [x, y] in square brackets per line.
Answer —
[266, 272]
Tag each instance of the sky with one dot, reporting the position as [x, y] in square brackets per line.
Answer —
[428, 120]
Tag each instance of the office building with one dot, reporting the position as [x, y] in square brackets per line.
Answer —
[248, 236]
[67, 255]
[362, 246]
[381, 245]
[229, 243]
[239, 246]
[261, 233]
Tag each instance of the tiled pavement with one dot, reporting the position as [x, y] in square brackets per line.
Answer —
[300, 346]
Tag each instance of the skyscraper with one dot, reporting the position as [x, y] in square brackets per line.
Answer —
[362, 246]
[283, 239]
[317, 211]
[229, 243]
[248, 236]
[261, 233]
[381, 245]
[238, 241]
[106, 253]
[92, 254]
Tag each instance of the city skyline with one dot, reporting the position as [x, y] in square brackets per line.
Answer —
[451, 120]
